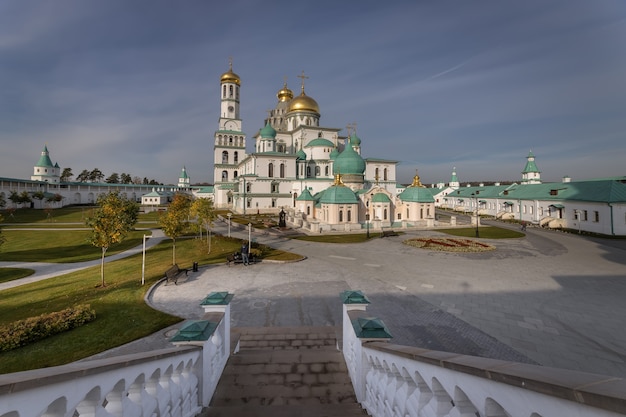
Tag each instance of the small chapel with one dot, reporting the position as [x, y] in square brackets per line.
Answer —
[314, 173]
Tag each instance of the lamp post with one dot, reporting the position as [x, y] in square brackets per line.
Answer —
[367, 222]
[476, 219]
[229, 215]
[249, 236]
[143, 262]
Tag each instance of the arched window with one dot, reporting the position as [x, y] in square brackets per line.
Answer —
[230, 92]
[376, 177]
[225, 157]
[236, 156]
[385, 214]
[317, 171]
[282, 170]
[230, 140]
[248, 187]
[349, 216]
[385, 174]
[308, 171]
[326, 171]
[235, 174]
[274, 187]
[224, 175]
[340, 216]
[270, 170]
[273, 202]
[308, 210]
[407, 212]
[224, 92]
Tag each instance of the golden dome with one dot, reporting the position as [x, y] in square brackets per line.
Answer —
[304, 103]
[284, 94]
[230, 77]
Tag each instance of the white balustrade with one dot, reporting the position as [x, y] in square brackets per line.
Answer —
[400, 381]
[173, 382]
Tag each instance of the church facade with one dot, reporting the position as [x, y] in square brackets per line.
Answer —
[310, 171]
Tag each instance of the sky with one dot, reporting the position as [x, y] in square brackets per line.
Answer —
[133, 85]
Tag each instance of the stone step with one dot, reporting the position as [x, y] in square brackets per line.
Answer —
[325, 410]
[286, 338]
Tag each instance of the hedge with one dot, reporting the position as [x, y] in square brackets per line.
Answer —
[32, 329]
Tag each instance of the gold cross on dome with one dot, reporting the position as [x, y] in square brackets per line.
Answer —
[302, 77]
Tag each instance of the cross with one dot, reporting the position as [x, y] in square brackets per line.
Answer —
[230, 63]
[302, 77]
[354, 126]
[285, 80]
[348, 128]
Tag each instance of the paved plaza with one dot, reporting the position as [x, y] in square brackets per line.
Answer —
[550, 298]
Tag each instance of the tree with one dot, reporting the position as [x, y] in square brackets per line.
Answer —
[39, 195]
[2, 200]
[111, 222]
[125, 178]
[203, 209]
[114, 178]
[83, 176]
[175, 221]
[66, 174]
[96, 175]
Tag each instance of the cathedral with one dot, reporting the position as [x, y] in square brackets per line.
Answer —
[311, 172]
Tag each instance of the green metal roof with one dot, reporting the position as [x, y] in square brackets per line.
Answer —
[44, 160]
[195, 330]
[319, 142]
[380, 198]
[305, 196]
[354, 297]
[349, 162]
[217, 298]
[338, 194]
[370, 328]
[416, 195]
[268, 131]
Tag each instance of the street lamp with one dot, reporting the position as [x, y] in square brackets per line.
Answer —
[229, 215]
[367, 222]
[249, 236]
[476, 219]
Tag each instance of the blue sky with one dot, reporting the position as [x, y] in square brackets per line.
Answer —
[132, 86]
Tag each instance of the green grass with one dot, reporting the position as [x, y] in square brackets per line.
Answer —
[9, 274]
[57, 246]
[122, 315]
[72, 214]
[348, 238]
[490, 232]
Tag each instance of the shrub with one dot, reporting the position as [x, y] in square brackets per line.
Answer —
[32, 329]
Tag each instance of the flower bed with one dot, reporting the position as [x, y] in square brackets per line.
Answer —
[449, 244]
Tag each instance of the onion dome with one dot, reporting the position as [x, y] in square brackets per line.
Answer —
[349, 162]
[230, 76]
[334, 154]
[304, 103]
[284, 94]
[268, 131]
[355, 140]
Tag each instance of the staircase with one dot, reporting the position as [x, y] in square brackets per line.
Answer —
[285, 371]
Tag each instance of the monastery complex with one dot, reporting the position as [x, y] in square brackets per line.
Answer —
[320, 180]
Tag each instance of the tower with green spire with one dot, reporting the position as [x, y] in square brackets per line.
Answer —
[44, 170]
[531, 174]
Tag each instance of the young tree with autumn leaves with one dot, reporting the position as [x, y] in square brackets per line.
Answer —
[114, 218]
[175, 221]
[204, 211]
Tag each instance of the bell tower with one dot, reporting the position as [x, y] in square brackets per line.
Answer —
[229, 147]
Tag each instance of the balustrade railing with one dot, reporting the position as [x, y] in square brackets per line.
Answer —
[400, 381]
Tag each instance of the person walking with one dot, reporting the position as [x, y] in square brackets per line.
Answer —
[245, 254]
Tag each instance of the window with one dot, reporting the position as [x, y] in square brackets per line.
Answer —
[317, 171]
[407, 212]
[399, 216]
[282, 170]
[273, 202]
[249, 203]
[236, 157]
[349, 215]
[235, 174]
[376, 174]
[385, 174]
[274, 188]
[224, 157]
[270, 170]
[224, 175]
[385, 214]
[230, 91]
[340, 216]
[248, 187]
[224, 92]
[427, 211]
[230, 140]
[308, 171]
[326, 171]
[596, 216]
[308, 210]
[585, 215]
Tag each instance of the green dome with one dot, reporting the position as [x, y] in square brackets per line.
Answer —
[301, 155]
[334, 154]
[354, 140]
[416, 195]
[349, 162]
[305, 196]
[338, 194]
[268, 131]
[380, 198]
[319, 143]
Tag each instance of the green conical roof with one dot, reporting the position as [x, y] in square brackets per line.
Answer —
[301, 155]
[530, 164]
[305, 196]
[183, 173]
[44, 160]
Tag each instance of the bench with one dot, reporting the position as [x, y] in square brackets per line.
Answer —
[388, 233]
[237, 259]
[173, 272]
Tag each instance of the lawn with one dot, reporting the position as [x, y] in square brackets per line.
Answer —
[9, 274]
[57, 246]
[122, 315]
[347, 238]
